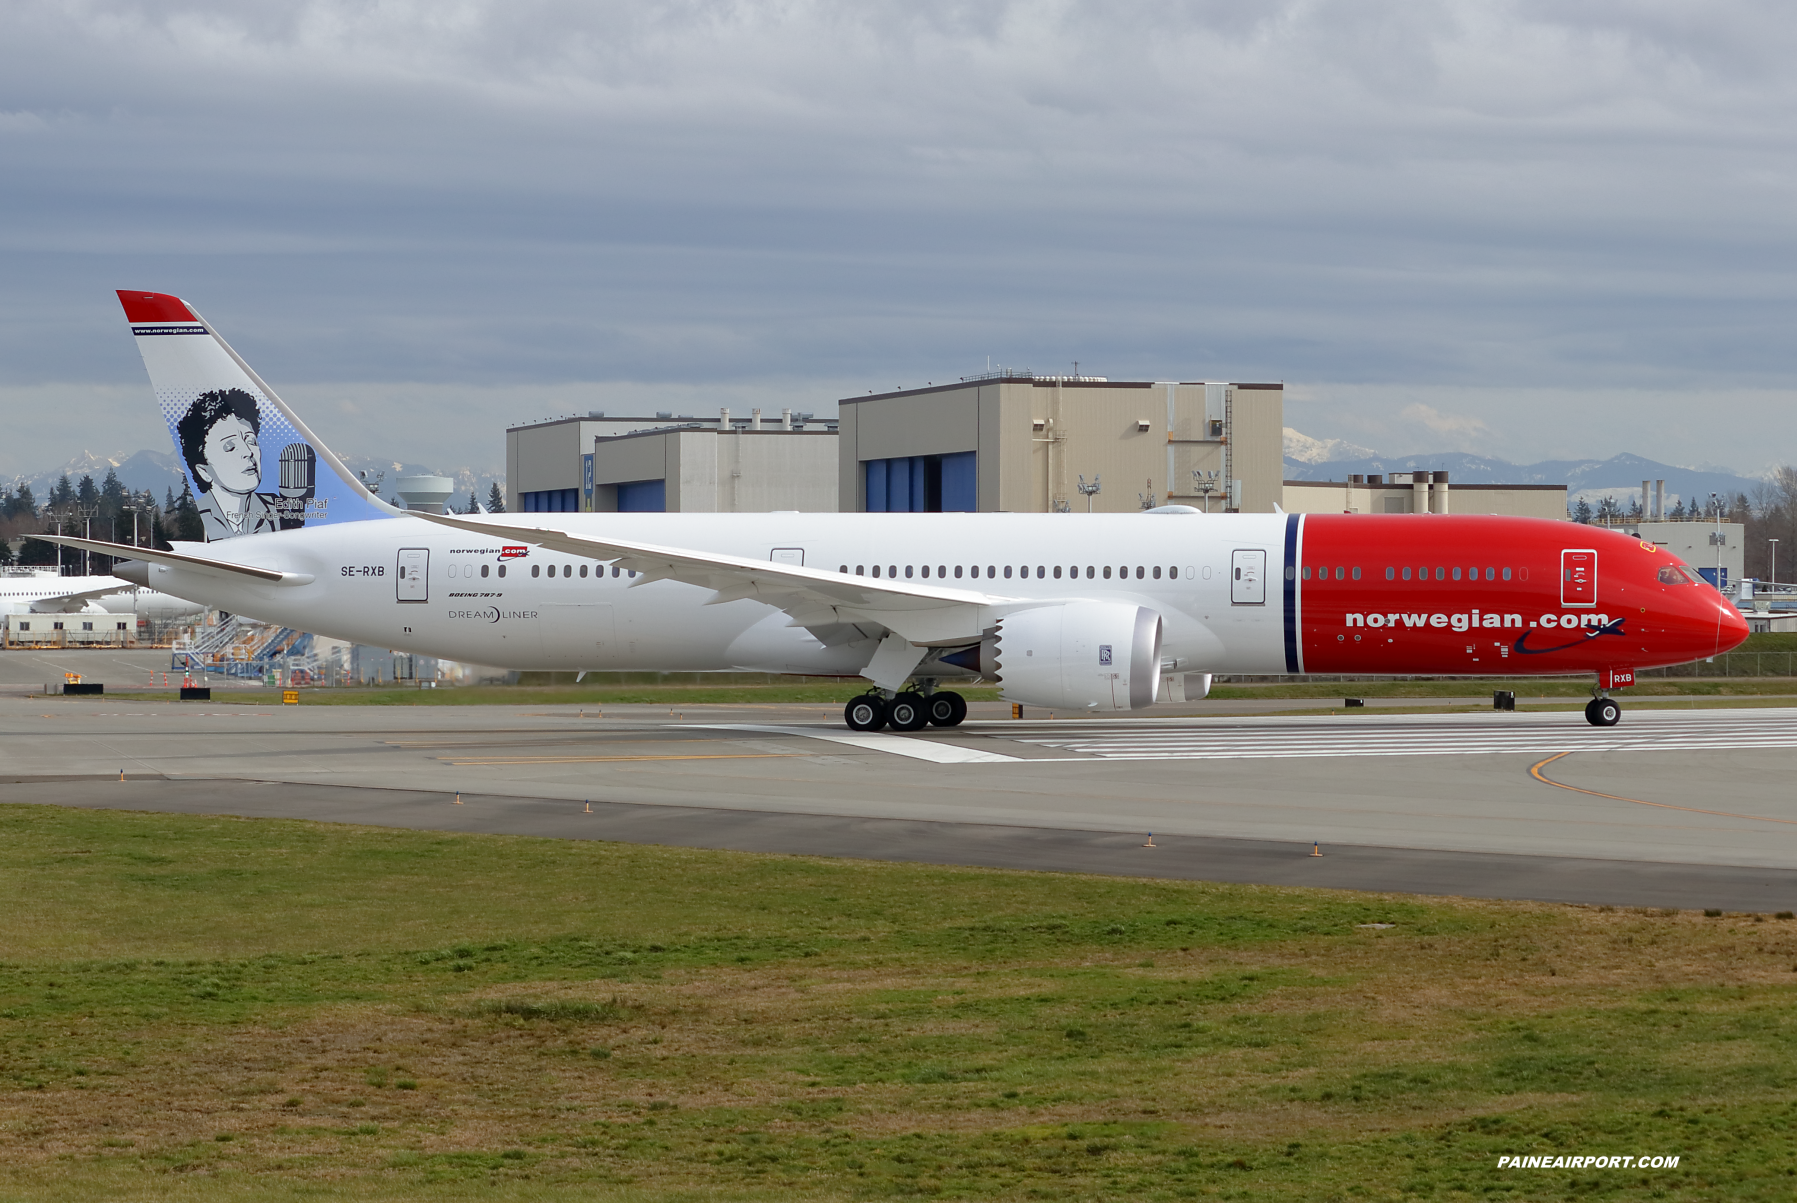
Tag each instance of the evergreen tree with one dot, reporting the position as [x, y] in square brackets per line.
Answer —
[63, 493]
[188, 525]
[7, 503]
[1582, 511]
[1678, 512]
[24, 505]
[496, 499]
[5, 553]
[168, 499]
[473, 505]
[1607, 510]
[88, 493]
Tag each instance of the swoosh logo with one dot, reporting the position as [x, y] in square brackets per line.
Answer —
[1585, 636]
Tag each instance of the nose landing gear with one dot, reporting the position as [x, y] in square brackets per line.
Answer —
[1603, 712]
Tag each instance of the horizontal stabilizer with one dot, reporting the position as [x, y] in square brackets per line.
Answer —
[176, 559]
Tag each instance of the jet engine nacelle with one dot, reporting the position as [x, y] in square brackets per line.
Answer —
[1077, 656]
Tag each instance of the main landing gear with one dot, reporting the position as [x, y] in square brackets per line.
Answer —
[1603, 712]
[905, 711]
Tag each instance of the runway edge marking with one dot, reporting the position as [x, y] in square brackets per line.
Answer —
[916, 749]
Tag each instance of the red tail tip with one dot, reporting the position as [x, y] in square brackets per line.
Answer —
[154, 307]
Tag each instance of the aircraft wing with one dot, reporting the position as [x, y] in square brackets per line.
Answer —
[925, 615]
[72, 603]
[176, 559]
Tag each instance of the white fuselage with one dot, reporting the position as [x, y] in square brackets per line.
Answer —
[572, 613]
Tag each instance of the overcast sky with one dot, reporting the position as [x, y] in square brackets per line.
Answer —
[1534, 230]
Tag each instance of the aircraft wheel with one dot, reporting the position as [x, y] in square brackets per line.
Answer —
[865, 713]
[946, 708]
[1603, 712]
[908, 712]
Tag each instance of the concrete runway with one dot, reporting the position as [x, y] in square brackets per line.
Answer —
[1672, 808]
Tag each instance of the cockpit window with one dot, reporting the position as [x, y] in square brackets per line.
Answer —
[1678, 574]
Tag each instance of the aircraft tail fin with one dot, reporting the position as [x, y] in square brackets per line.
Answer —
[251, 462]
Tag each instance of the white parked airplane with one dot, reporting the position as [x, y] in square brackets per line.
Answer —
[1069, 611]
[53, 594]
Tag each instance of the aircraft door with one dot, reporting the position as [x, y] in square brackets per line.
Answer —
[1578, 578]
[788, 555]
[1248, 578]
[413, 583]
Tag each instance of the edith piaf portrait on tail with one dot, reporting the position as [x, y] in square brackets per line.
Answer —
[220, 438]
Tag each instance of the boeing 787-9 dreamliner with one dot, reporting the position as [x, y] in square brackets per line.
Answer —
[1077, 612]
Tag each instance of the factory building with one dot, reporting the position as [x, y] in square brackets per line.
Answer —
[1422, 493]
[684, 464]
[1013, 441]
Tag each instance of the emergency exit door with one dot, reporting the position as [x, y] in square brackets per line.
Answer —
[788, 555]
[413, 584]
[1578, 578]
[1248, 578]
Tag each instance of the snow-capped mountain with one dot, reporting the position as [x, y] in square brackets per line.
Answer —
[1306, 450]
[1619, 477]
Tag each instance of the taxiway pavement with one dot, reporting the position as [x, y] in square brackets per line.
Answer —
[1672, 808]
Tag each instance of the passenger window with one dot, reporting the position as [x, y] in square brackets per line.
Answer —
[1107, 572]
[1356, 573]
[1041, 572]
[1141, 572]
[502, 570]
[892, 570]
[568, 570]
[1491, 574]
[1057, 572]
[1340, 572]
[957, 572]
[1457, 573]
[1406, 573]
[1306, 572]
[536, 570]
[583, 572]
[615, 570]
[1440, 573]
[907, 572]
[1157, 572]
[1173, 571]
[844, 569]
[1007, 572]
[876, 570]
[991, 572]
[942, 570]
[1506, 574]
[483, 569]
[1390, 573]
[1092, 572]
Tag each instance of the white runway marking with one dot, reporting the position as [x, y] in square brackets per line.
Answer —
[1424, 735]
[898, 745]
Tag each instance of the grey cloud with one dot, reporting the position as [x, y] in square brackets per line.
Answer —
[1434, 193]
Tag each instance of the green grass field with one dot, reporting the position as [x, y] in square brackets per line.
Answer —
[207, 1008]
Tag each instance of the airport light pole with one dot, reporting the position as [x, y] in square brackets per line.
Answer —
[134, 509]
[1716, 502]
[1774, 581]
[1088, 489]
